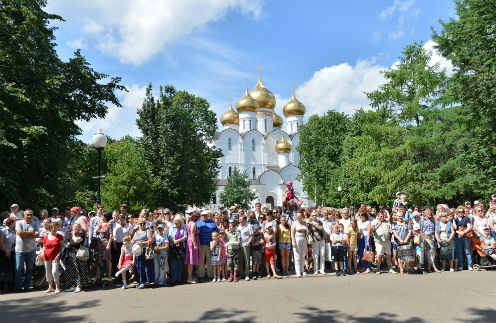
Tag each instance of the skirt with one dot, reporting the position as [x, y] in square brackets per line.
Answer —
[127, 261]
[76, 270]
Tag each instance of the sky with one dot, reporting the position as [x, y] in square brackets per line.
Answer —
[331, 50]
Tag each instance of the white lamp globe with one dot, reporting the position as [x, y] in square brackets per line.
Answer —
[99, 139]
[340, 188]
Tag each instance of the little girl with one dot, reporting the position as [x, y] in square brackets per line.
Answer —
[352, 235]
[269, 253]
[215, 251]
[126, 260]
[418, 240]
[223, 255]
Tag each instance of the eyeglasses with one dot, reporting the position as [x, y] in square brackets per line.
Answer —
[142, 223]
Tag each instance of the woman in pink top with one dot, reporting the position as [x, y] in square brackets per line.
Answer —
[52, 246]
[193, 251]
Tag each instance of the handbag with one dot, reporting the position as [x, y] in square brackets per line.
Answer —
[469, 234]
[178, 253]
[150, 253]
[83, 253]
[444, 251]
[39, 261]
[368, 256]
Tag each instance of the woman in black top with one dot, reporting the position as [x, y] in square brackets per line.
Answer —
[76, 269]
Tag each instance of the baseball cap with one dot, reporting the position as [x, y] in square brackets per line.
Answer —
[75, 209]
[204, 212]
[416, 227]
[161, 225]
[55, 209]
[14, 205]
[232, 207]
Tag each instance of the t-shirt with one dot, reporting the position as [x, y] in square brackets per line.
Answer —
[245, 233]
[352, 236]
[160, 241]
[269, 240]
[206, 228]
[121, 232]
[345, 223]
[257, 238]
[338, 235]
[51, 247]
[232, 240]
[26, 244]
[381, 231]
[284, 234]
[363, 228]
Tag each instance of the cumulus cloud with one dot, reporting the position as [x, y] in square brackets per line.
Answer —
[136, 30]
[340, 87]
[79, 43]
[119, 122]
[437, 58]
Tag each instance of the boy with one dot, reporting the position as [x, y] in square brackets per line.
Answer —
[418, 240]
[256, 251]
[337, 241]
[233, 242]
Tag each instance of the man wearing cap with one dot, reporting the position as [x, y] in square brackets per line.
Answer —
[55, 214]
[468, 205]
[27, 232]
[206, 226]
[14, 211]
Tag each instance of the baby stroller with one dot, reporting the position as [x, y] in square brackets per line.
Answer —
[487, 257]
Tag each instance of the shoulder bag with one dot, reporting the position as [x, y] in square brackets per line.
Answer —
[83, 253]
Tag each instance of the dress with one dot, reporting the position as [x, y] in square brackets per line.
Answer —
[193, 257]
[76, 269]
[214, 254]
[103, 236]
[128, 256]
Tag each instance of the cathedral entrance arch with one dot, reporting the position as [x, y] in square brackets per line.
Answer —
[270, 200]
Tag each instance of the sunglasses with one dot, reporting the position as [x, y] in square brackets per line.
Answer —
[142, 224]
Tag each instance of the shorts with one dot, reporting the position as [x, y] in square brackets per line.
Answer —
[284, 245]
[382, 247]
[337, 253]
[269, 255]
[353, 248]
[256, 257]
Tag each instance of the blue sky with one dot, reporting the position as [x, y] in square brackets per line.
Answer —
[331, 50]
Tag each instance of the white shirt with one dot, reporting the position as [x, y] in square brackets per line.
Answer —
[245, 233]
[345, 223]
[362, 227]
[328, 226]
[121, 232]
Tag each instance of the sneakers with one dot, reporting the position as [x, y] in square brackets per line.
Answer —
[452, 270]
[48, 291]
[391, 271]
[367, 271]
[141, 286]
[470, 268]
[255, 277]
[191, 281]
[316, 273]
[77, 290]
[247, 278]
[70, 289]
[304, 273]
[322, 272]
[214, 280]
[223, 279]
[424, 272]
[57, 291]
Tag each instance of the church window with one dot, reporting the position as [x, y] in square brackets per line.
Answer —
[254, 173]
[229, 144]
[214, 199]
[230, 170]
[265, 124]
[253, 145]
[250, 125]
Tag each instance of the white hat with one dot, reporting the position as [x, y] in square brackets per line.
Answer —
[204, 212]
[14, 205]
[416, 227]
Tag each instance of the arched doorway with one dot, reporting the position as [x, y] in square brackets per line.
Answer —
[270, 200]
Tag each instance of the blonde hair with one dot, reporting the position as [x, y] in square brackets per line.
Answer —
[126, 238]
[179, 217]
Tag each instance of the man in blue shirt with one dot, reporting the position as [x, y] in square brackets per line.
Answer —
[206, 226]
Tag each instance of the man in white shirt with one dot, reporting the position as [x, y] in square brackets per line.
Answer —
[246, 234]
[327, 223]
[346, 219]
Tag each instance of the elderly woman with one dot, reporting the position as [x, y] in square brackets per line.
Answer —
[445, 235]
[479, 221]
[178, 234]
[76, 269]
[317, 237]
[144, 267]
[427, 225]
[52, 248]
[299, 233]
[7, 253]
[403, 232]
[162, 251]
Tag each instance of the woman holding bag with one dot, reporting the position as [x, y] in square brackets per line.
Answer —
[144, 267]
[403, 232]
[52, 247]
[76, 269]
[463, 237]
[177, 237]
[364, 241]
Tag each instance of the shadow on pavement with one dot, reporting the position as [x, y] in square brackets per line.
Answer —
[42, 309]
[480, 315]
[313, 314]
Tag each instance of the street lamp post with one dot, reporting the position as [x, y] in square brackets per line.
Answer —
[99, 142]
[340, 189]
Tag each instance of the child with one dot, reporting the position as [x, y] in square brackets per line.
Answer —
[491, 251]
[126, 260]
[223, 255]
[345, 246]
[352, 235]
[337, 240]
[256, 251]
[418, 240]
[233, 241]
[215, 251]
[269, 253]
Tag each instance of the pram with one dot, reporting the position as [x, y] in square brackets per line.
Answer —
[487, 258]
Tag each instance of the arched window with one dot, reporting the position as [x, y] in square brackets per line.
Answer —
[250, 125]
[254, 172]
[214, 199]
[229, 144]
[253, 145]
[230, 171]
[265, 124]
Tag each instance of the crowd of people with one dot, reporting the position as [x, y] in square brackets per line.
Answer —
[80, 249]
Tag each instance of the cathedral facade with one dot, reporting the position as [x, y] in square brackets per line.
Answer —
[255, 139]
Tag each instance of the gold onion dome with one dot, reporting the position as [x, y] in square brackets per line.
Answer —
[264, 97]
[294, 107]
[230, 116]
[282, 146]
[277, 121]
[247, 103]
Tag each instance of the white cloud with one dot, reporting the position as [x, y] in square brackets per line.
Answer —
[395, 34]
[79, 43]
[403, 10]
[119, 122]
[136, 30]
[398, 6]
[437, 58]
[340, 87]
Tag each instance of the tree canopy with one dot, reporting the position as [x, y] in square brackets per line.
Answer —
[237, 191]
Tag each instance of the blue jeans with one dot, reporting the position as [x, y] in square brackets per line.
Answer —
[145, 269]
[160, 264]
[464, 244]
[345, 260]
[21, 258]
[176, 268]
[363, 245]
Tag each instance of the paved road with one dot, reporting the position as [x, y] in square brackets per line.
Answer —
[447, 297]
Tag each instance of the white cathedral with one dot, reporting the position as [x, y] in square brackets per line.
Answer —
[252, 140]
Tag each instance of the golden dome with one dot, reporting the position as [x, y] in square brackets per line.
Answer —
[247, 103]
[277, 121]
[294, 107]
[282, 146]
[230, 117]
[264, 97]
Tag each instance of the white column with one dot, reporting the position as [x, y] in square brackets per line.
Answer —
[283, 159]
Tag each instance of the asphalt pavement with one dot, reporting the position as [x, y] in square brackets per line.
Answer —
[365, 298]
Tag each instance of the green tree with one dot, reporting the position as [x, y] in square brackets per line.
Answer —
[237, 191]
[128, 176]
[320, 148]
[41, 98]
[178, 130]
